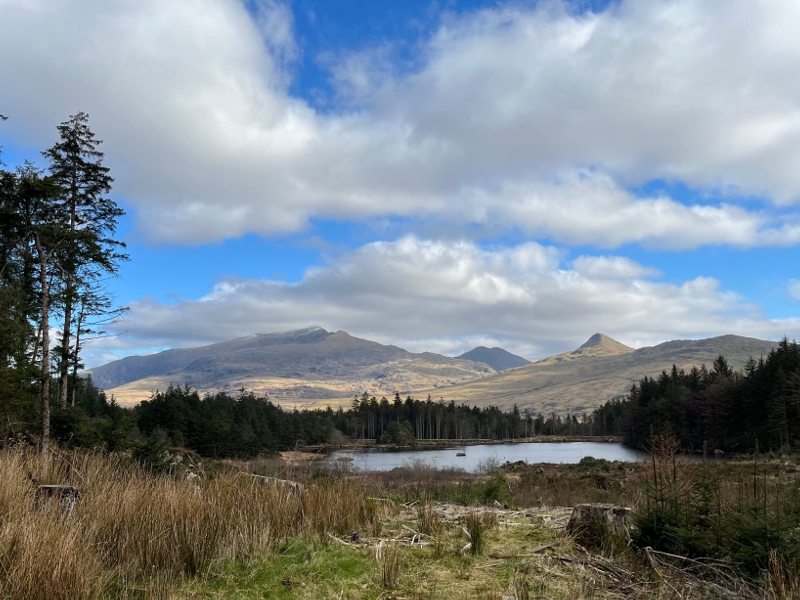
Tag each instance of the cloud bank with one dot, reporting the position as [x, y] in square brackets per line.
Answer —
[538, 119]
[451, 296]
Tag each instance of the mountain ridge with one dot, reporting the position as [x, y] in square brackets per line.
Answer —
[583, 379]
[309, 363]
[313, 367]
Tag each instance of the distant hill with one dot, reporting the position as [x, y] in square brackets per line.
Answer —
[598, 371]
[497, 358]
[306, 365]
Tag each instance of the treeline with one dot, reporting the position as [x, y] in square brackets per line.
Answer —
[57, 251]
[223, 425]
[718, 409]
[244, 426]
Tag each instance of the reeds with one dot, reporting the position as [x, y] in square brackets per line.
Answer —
[132, 527]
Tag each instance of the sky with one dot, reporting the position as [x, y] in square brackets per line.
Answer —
[432, 174]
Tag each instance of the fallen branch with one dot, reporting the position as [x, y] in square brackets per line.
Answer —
[333, 537]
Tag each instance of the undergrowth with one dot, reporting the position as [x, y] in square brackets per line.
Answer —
[691, 510]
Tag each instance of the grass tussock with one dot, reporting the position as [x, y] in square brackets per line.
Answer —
[477, 524]
[391, 566]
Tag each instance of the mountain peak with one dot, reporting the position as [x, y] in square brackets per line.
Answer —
[299, 332]
[497, 358]
[597, 345]
[597, 339]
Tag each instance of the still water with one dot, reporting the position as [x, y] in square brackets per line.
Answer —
[479, 457]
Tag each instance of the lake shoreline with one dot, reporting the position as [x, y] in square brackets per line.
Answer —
[371, 444]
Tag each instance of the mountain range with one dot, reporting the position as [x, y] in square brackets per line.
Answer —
[315, 367]
[303, 366]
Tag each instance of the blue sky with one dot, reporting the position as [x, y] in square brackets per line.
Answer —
[435, 175]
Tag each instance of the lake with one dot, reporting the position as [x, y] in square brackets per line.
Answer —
[479, 457]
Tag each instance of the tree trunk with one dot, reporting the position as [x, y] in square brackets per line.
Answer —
[45, 347]
[75, 358]
[70, 284]
[65, 338]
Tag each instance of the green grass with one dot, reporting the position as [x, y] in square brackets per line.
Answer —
[303, 568]
[306, 569]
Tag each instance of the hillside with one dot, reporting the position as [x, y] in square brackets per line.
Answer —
[599, 370]
[497, 358]
[314, 367]
[307, 366]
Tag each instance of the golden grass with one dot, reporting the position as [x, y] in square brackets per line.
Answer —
[136, 535]
[131, 528]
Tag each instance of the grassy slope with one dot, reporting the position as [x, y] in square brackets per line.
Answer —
[582, 380]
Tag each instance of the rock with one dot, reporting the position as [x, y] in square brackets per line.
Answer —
[595, 525]
[65, 496]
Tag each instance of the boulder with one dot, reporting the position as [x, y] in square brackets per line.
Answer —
[595, 525]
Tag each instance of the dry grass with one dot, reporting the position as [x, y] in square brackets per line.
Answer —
[391, 565]
[135, 535]
[132, 529]
[477, 524]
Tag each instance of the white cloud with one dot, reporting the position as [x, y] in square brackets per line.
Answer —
[794, 289]
[611, 267]
[530, 118]
[450, 297]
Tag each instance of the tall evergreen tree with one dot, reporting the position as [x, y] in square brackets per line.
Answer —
[90, 253]
[45, 233]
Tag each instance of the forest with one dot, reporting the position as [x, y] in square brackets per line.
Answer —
[716, 409]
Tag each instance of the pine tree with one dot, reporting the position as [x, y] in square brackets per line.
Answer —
[45, 233]
[90, 253]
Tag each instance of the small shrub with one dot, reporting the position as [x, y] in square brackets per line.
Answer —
[496, 489]
[152, 453]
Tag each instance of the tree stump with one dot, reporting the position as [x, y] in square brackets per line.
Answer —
[294, 488]
[65, 497]
[596, 525]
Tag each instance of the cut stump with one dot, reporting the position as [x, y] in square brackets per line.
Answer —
[294, 488]
[63, 496]
[595, 525]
